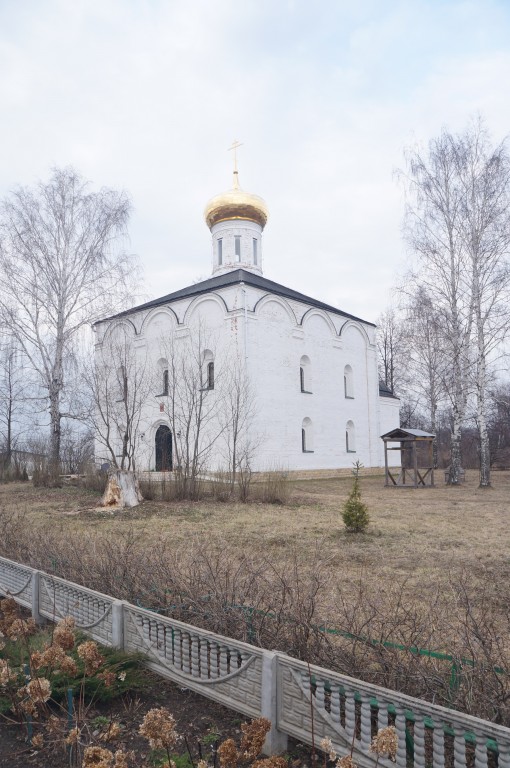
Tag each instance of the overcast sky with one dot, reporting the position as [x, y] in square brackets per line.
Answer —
[147, 95]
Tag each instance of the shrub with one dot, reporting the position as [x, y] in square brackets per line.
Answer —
[355, 512]
[274, 488]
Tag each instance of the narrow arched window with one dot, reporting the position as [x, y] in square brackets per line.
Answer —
[348, 382]
[305, 375]
[255, 254]
[162, 378]
[237, 247]
[307, 436]
[208, 369]
[350, 437]
[220, 251]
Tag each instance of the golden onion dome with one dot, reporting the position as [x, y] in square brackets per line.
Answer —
[236, 204]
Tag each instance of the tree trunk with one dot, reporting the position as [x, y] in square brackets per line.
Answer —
[485, 459]
[122, 490]
[455, 460]
[55, 435]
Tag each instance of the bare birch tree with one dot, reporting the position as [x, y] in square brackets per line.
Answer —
[434, 232]
[425, 358]
[194, 402]
[60, 268]
[14, 393]
[459, 224]
[484, 173]
[391, 344]
[238, 415]
[121, 384]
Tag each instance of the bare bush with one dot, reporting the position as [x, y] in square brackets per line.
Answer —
[274, 487]
[450, 647]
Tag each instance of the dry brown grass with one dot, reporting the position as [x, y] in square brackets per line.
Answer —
[420, 534]
[432, 571]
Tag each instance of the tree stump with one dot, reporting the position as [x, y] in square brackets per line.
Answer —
[122, 490]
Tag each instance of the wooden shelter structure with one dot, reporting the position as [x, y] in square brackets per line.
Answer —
[416, 458]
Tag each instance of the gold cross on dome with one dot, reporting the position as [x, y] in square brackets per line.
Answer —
[235, 145]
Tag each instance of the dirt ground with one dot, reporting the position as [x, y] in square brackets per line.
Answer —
[199, 720]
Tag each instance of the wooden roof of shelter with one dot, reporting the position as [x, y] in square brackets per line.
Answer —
[407, 434]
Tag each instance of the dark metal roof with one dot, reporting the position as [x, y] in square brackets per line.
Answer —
[232, 278]
[385, 391]
[401, 433]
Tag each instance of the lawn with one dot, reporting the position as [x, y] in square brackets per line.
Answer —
[419, 534]
[431, 572]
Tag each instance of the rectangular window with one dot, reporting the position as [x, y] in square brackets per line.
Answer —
[255, 251]
[165, 382]
[237, 247]
[220, 251]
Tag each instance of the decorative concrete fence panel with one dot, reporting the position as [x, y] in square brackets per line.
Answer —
[225, 670]
[309, 703]
[350, 712]
[16, 580]
[92, 611]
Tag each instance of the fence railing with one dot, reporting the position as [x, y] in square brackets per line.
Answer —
[301, 700]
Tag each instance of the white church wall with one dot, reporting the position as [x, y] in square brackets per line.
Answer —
[242, 325]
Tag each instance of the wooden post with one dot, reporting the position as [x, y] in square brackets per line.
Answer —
[386, 478]
[415, 461]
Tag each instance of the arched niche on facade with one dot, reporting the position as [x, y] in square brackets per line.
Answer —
[119, 331]
[352, 334]
[159, 323]
[276, 311]
[206, 312]
[318, 323]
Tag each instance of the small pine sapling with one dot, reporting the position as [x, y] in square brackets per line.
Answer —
[355, 513]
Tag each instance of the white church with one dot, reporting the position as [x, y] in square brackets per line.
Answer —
[238, 368]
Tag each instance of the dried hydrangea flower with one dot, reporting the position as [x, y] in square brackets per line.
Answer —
[63, 634]
[21, 628]
[73, 736]
[158, 726]
[254, 735]
[39, 689]
[326, 746]
[385, 742]
[54, 724]
[202, 764]
[271, 762]
[121, 758]
[38, 741]
[68, 666]
[89, 653]
[228, 754]
[112, 732]
[346, 762]
[108, 678]
[97, 757]
[28, 706]
[6, 673]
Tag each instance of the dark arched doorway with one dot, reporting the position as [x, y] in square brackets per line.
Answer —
[163, 449]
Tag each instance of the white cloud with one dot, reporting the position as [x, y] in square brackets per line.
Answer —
[148, 96]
